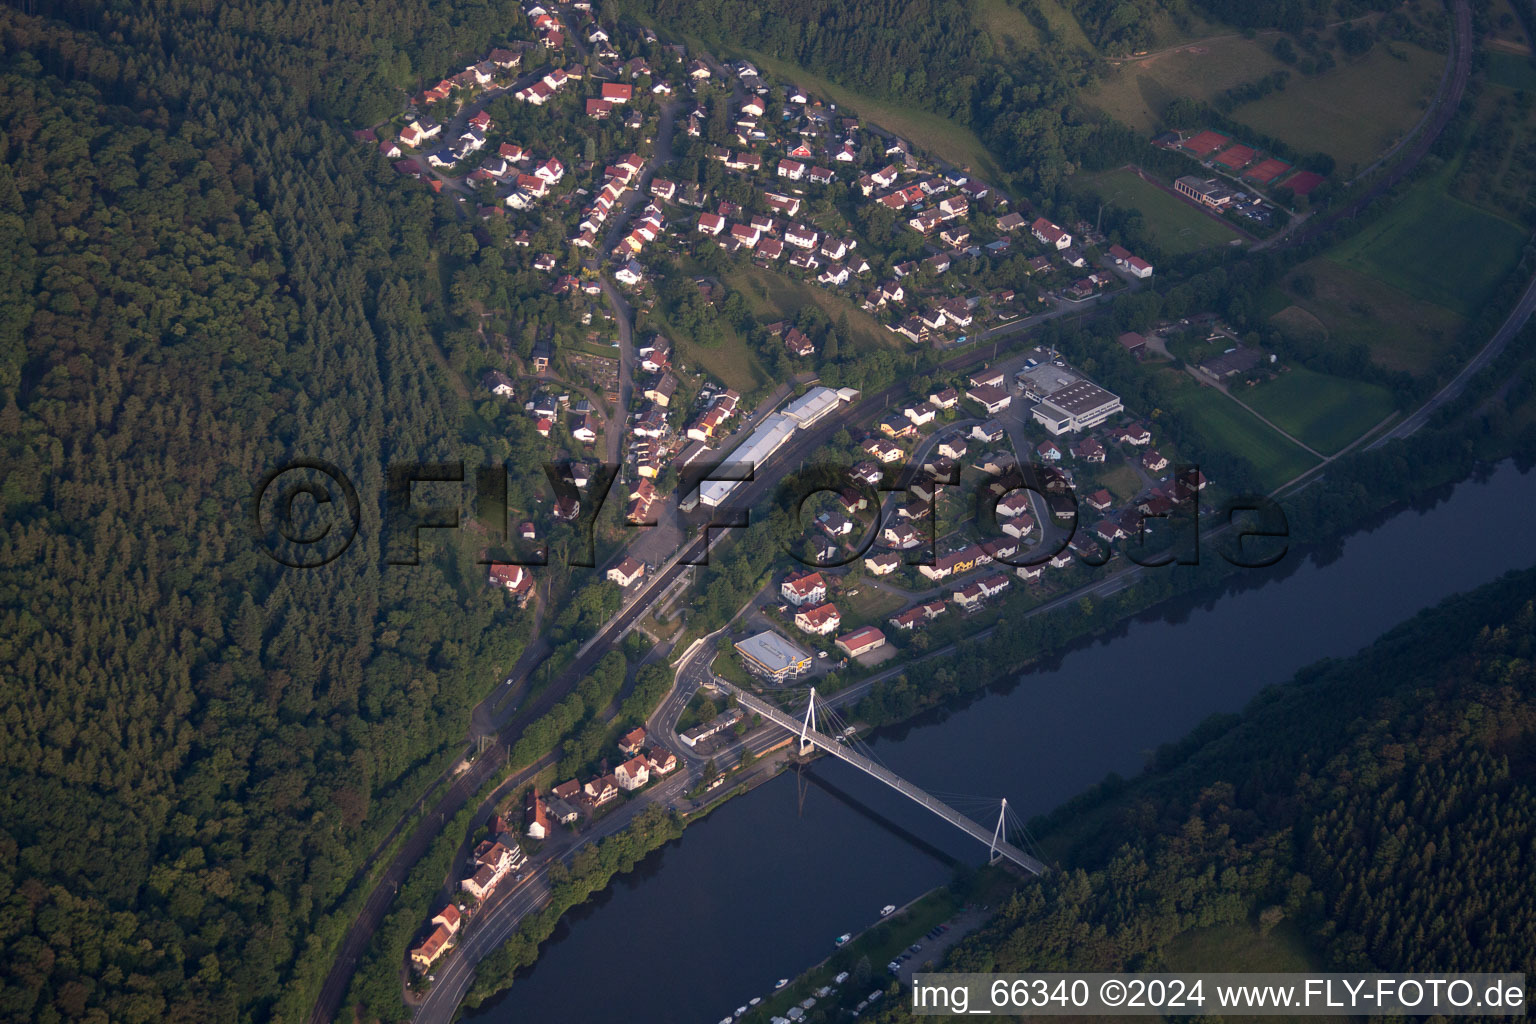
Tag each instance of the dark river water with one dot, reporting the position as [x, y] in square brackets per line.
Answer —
[759, 890]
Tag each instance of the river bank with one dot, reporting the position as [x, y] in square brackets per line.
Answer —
[1104, 706]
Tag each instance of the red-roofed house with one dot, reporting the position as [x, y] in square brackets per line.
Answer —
[1050, 234]
[820, 620]
[804, 588]
[632, 774]
[515, 578]
[631, 742]
[535, 816]
[614, 92]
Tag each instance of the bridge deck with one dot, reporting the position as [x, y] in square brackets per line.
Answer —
[843, 752]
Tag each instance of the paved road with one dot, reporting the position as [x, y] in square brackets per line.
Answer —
[801, 446]
[495, 922]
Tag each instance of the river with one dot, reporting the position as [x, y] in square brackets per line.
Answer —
[758, 890]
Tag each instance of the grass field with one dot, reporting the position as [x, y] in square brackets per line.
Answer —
[1137, 91]
[1402, 332]
[1242, 948]
[1222, 424]
[1352, 112]
[1325, 412]
[1356, 110]
[774, 296]
[1002, 20]
[869, 607]
[733, 361]
[1122, 482]
[1175, 225]
[1437, 248]
[938, 135]
[1511, 70]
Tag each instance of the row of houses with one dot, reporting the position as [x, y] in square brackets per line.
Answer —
[492, 862]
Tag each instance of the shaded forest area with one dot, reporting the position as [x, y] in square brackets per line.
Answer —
[1382, 806]
[203, 277]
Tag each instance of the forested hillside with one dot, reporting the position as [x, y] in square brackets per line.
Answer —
[1382, 807]
[204, 275]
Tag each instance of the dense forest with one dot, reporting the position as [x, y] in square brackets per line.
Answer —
[1381, 807]
[204, 276]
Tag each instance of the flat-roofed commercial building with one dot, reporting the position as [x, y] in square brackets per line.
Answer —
[816, 403]
[768, 438]
[1080, 405]
[773, 656]
[1205, 191]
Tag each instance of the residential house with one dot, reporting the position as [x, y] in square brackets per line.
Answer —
[631, 742]
[1088, 450]
[1050, 234]
[820, 620]
[992, 398]
[535, 818]
[627, 571]
[802, 588]
[632, 774]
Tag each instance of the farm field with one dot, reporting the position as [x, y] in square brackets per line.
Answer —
[1511, 70]
[1325, 412]
[1356, 110]
[1435, 247]
[1136, 92]
[1174, 225]
[1401, 331]
[1222, 424]
[1352, 111]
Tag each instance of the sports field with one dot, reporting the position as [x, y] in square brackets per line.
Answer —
[1436, 248]
[1325, 412]
[1221, 424]
[1172, 223]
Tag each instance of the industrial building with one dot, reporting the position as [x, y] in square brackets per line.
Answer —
[1080, 405]
[768, 438]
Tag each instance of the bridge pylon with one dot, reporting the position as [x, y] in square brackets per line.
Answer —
[808, 726]
[999, 834]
